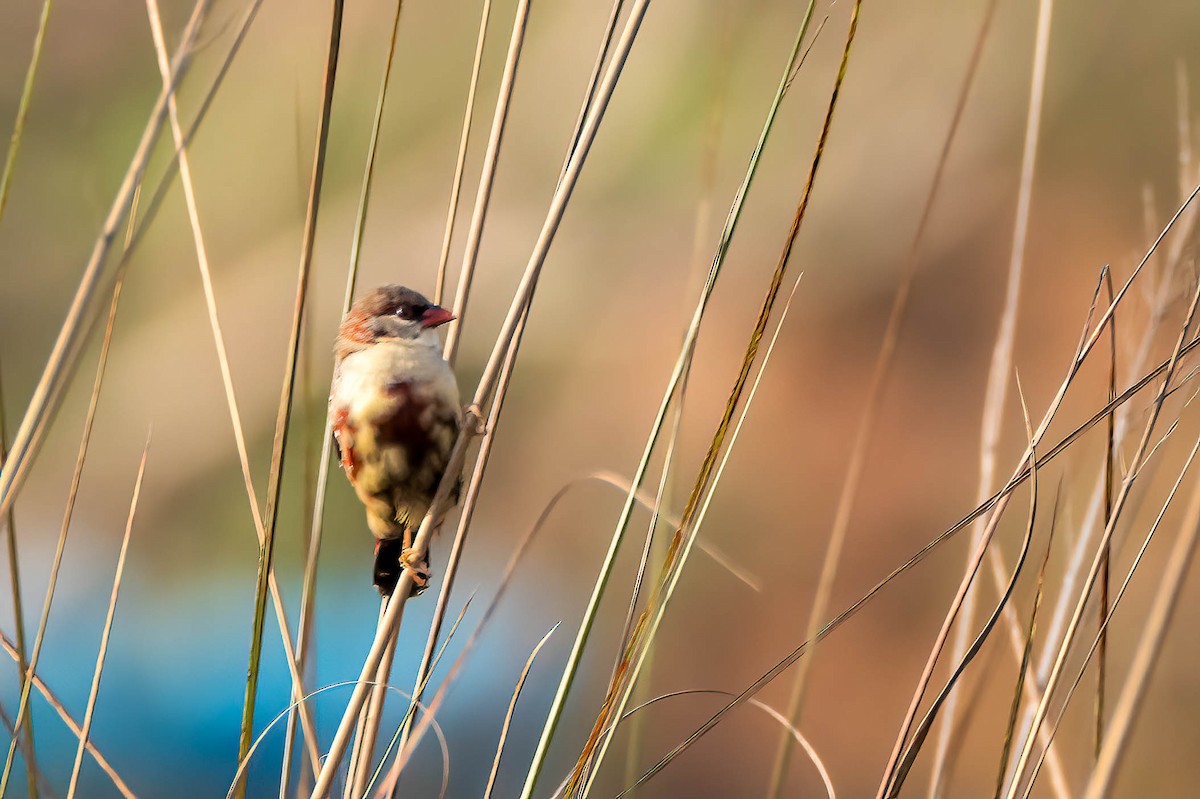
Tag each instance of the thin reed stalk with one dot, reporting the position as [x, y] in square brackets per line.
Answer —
[470, 501]
[483, 194]
[475, 484]
[1118, 502]
[1053, 452]
[316, 529]
[472, 417]
[23, 104]
[202, 262]
[677, 556]
[464, 139]
[30, 669]
[8, 518]
[512, 706]
[1137, 560]
[569, 671]
[1149, 649]
[706, 481]
[108, 622]
[24, 739]
[283, 415]
[76, 730]
[865, 431]
[60, 363]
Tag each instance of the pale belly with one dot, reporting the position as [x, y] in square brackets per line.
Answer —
[396, 414]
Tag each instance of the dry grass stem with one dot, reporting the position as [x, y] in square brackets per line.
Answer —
[245, 762]
[460, 161]
[1112, 610]
[1146, 655]
[396, 743]
[483, 194]
[108, 622]
[866, 425]
[996, 392]
[283, 415]
[673, 567]
[189, 194]
[61, 361]
[7, 519]
[470, 501]
[1118, 502]
[894, 780]
[727, 233]
[316, 529]
[487, 382]
[18, 131]
[791, 729]
[9, 523]
[1052, 453]
[512, 706]
[706, 481]
[1023, 666]
[72, 493]
[76, 730]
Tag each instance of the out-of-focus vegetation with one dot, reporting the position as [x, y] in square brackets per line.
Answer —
[611, 308]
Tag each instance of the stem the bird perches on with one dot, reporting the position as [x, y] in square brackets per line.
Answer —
[473, 415]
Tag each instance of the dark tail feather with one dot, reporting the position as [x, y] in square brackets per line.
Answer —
[387, 564]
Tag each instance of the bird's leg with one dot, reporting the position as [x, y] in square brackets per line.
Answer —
[419, 569]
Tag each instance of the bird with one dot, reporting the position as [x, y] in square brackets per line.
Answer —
[395, 413]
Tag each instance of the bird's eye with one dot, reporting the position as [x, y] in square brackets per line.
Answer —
[404, 312]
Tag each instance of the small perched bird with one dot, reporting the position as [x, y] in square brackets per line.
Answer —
[395, 414]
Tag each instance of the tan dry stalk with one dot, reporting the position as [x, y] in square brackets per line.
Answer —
[677, 557]
[1146, 655]
[60, 364]
[72, 725]
[996, 393]
[706, 481]
[460, 161]
[72, 493]
[472, 417]
[394, 774]
[1185, 220]
[235, 418]
[483, 194]
[1112, 610]
[474, 236]
[283, 415]
[358, 773]
[1118, 502]
[316, 520]
[791, 729]
[512, 706]
[108, 622]
[673, 382]
[7, 519]
[24, 739]
[848, 613]
[866, 425]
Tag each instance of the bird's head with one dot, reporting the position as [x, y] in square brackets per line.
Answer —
[392, 312]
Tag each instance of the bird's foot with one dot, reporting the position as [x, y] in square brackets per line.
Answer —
[418, 569]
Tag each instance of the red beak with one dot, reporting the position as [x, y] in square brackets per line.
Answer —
[435, 316]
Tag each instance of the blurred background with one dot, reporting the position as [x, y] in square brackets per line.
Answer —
[617, 291]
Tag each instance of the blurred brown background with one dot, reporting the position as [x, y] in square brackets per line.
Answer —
[617, 290]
